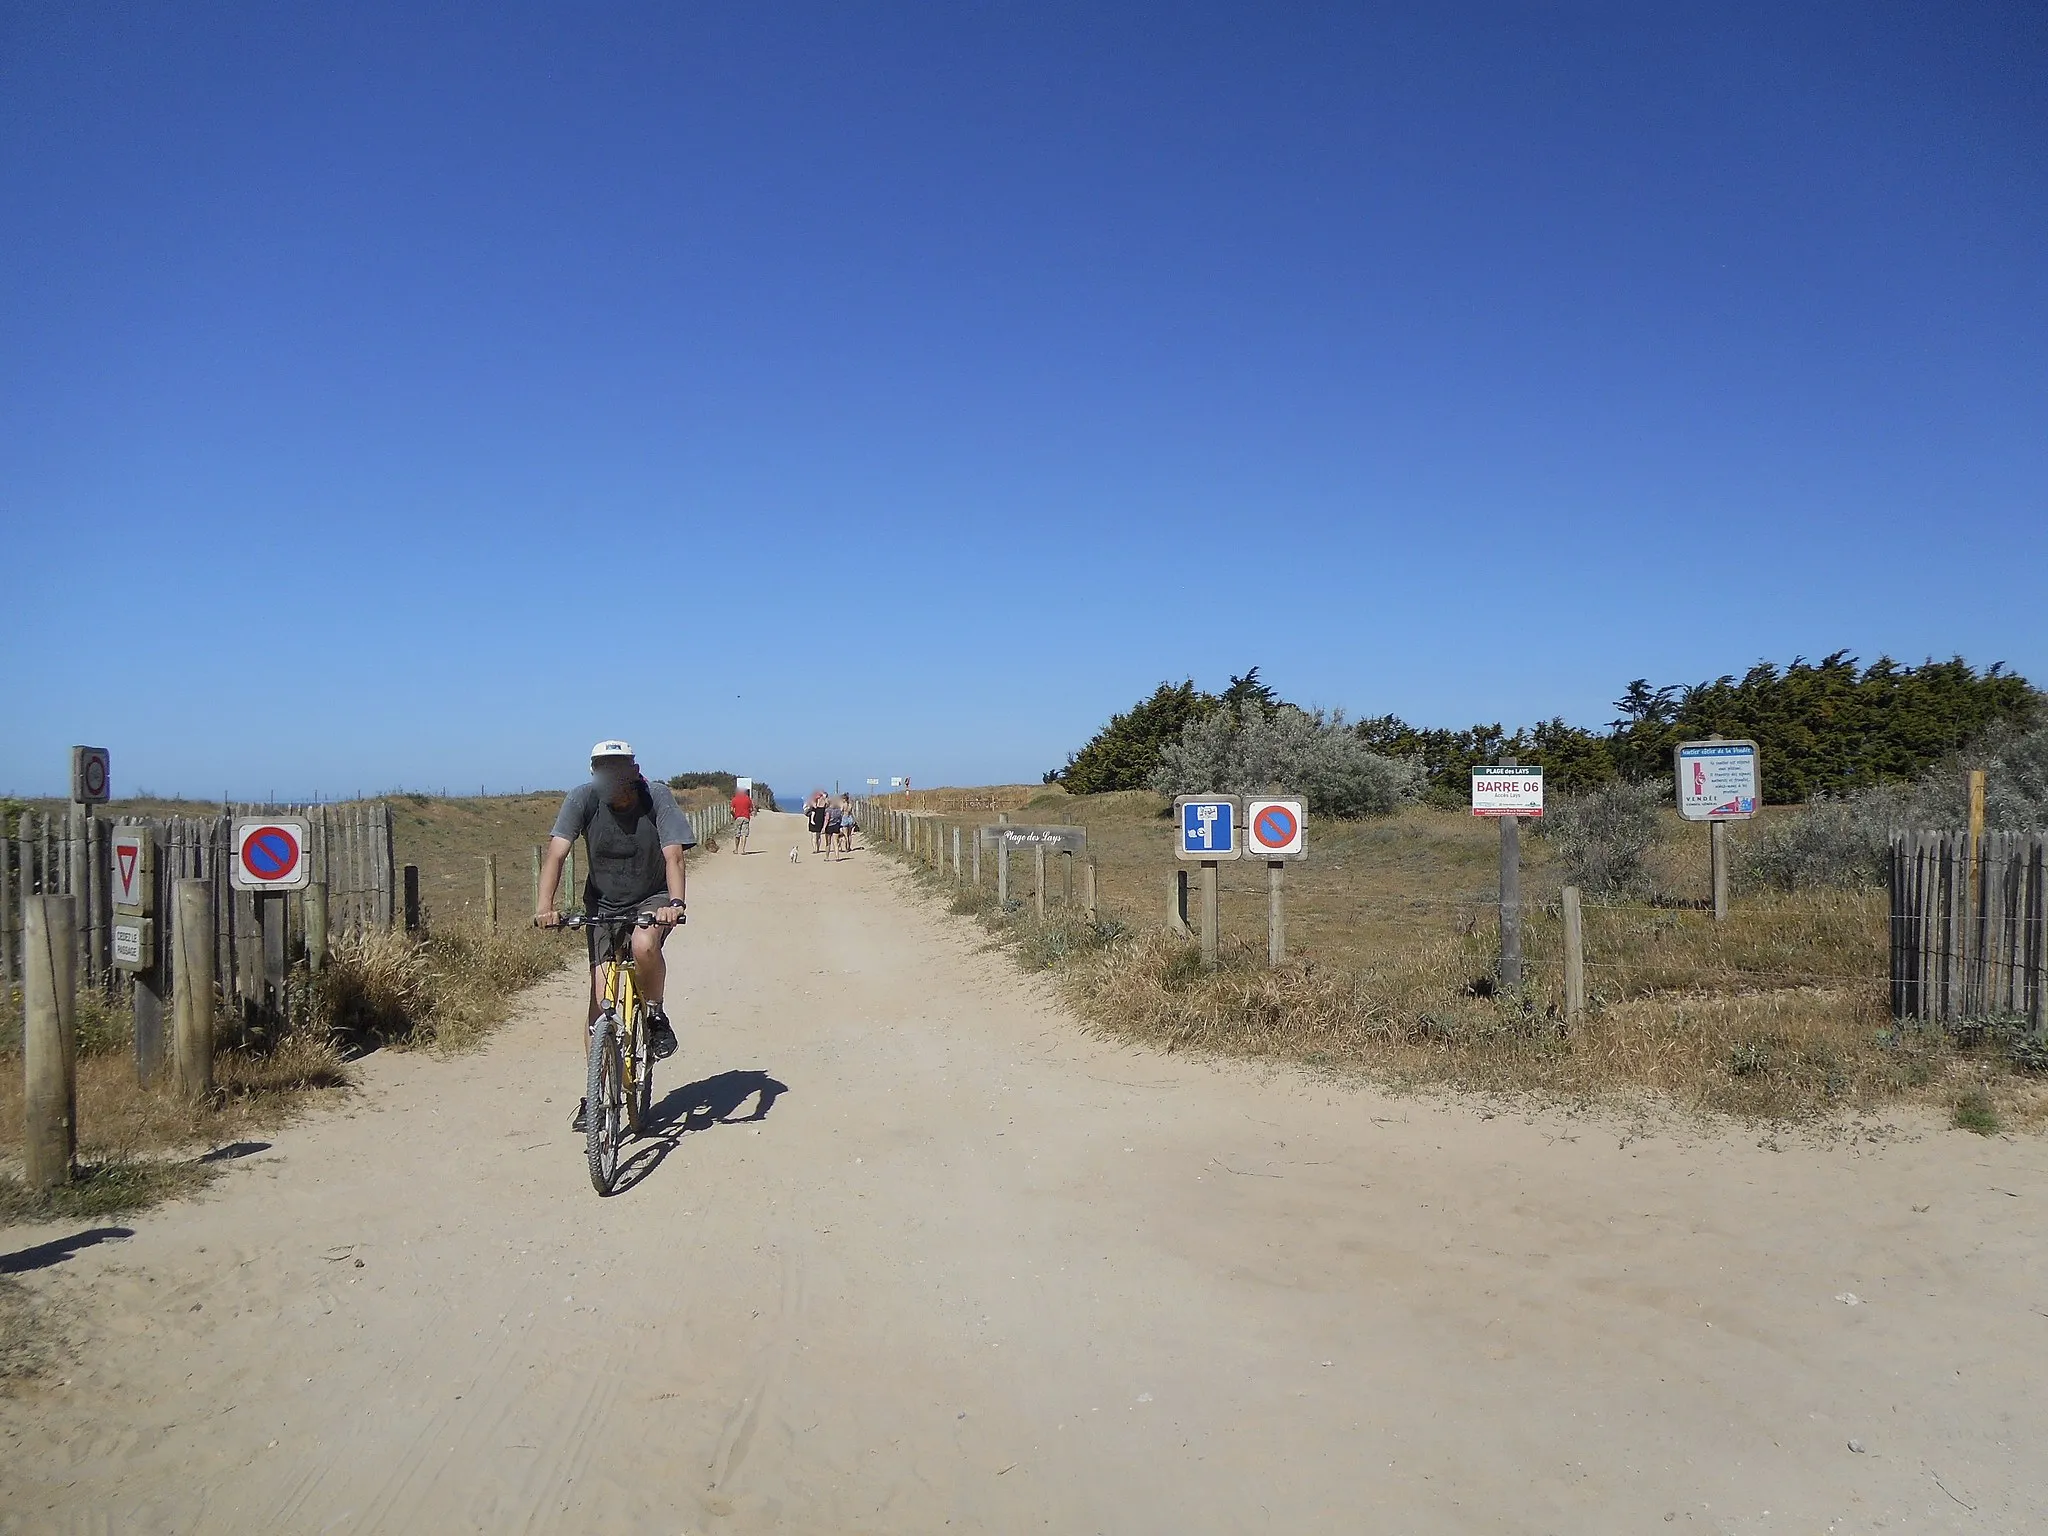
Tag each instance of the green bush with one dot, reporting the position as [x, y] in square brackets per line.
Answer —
[1289, 750]
[1603, 839]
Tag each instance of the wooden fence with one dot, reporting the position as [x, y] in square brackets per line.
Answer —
[349, 850]
[1968, 935]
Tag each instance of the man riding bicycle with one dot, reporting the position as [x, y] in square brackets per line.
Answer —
[635, 835]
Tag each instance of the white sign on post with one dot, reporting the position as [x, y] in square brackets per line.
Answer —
[1276, 828]
[1507, 791]
[132, 886]
[745, 784]
[270, 856]
[1718, 780]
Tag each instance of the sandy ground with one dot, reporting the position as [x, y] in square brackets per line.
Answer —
[962, 1267]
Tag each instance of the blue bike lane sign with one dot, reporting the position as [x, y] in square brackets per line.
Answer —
[1209, 827]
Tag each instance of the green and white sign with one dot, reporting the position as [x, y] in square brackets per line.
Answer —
[1507, 791]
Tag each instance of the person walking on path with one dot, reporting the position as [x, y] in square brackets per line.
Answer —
[814, 818]
[848, 823]
[832, 825]
[742, 819]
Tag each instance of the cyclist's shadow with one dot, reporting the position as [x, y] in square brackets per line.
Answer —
[697, 1106]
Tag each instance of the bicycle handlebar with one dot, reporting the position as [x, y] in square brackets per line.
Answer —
[638, 919]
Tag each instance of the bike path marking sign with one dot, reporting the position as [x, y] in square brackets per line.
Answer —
[271, 856]
[1718, 780]
[1207, 827]
[1278, 828]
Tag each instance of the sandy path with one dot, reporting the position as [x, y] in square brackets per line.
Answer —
[975, 1271]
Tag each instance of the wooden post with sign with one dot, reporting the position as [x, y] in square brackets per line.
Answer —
[1717, 781]
[134, 880]
[1574, 960]
[1508, 792]
[272, 916]
[1276, 830]
[1276, 914]
[49, 1040]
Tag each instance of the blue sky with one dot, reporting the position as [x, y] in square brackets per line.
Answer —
[403, 399]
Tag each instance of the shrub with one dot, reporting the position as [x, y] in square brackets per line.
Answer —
[1305, 752]
[1838, 843]
[1603, 838]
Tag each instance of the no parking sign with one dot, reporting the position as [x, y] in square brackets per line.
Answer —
[1278, 828]
[270, 855]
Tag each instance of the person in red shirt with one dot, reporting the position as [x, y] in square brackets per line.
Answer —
[742, 819]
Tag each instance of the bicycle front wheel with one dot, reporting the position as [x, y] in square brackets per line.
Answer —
[604, 1104]
[639, 1075]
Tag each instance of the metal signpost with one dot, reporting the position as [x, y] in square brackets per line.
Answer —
[1510, 792]
[1208, 831]
[1276, 830]
[270, 860]
[91, 785]
[1719, 781]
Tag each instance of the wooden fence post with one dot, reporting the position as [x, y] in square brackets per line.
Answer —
[1210, 938]
[1089, 874]
[1574, 960]
[271, 917]
[412, 898]
[956, 855]
[1038, 880]
[1003, 874]
[1276, 914]
[536, 879]
[977, 858]
[1067, 878]
[490, 893]
[316, 927]
[49, 1039]
[1717, 864]
[1177, 904]
[192, 989]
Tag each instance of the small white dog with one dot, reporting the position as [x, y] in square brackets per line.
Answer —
[795, 852]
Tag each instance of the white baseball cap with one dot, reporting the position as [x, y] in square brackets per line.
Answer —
[611, 749]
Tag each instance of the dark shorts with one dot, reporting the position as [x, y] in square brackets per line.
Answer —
[603, 935]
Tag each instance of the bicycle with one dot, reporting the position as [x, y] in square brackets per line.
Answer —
[619, 1096]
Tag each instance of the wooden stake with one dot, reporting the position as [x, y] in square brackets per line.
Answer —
[1089, 875]
[1209, 923]
[1276, 914]
[49, 1039]
[490, 893]
[316, 927]
[1003, 875]
[1038, 880]
[1717, 862]
[1574, 960]
[192, 989]
[1177, 904]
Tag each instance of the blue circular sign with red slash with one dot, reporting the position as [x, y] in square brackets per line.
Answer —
[1275, 827]
[270, 855]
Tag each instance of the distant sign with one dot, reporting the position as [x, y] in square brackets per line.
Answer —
[1718, 780]
[744, 785]
[1206, 827]
[1507, 791]
[895, 781]
[270, 856]
[1052, 839]
[91, 776]
[132, 886]
[1276, 829]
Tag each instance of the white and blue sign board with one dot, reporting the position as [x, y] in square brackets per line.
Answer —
[1208, 827]
[1718, 780]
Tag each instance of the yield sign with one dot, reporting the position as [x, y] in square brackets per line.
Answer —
[131, 867]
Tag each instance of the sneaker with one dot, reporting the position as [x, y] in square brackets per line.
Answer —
[577, 1122]
[659, 1035]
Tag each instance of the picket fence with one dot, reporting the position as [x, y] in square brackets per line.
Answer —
[1967, 934]
[349, 849]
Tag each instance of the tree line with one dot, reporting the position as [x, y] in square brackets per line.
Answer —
[1831, 726]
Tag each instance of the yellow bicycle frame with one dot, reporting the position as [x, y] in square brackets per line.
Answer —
[621, 997]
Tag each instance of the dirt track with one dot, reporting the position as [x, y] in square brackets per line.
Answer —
[964, 1268]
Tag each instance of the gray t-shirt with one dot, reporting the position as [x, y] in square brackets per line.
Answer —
[626, 863]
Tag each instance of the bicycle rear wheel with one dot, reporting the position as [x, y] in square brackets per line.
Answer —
[604, 1104]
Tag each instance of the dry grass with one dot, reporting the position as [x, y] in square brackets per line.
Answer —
[1781, 1012]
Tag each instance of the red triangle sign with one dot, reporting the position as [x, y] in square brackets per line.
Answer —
[126, 854]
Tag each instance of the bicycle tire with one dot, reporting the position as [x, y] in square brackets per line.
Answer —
[603, 1104]
[640, 1081]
